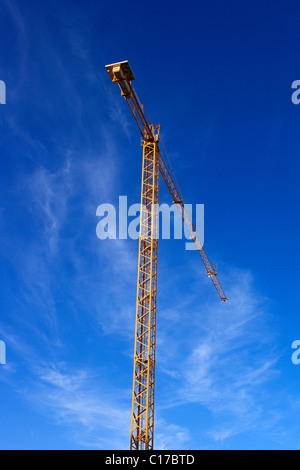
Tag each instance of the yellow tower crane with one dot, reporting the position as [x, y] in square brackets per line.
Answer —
[142, 416]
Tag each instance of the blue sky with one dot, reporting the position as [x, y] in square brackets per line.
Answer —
[217, 76]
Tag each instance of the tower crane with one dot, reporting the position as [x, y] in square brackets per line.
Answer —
[142, 414]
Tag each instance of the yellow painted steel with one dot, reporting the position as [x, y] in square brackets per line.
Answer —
[142, 417]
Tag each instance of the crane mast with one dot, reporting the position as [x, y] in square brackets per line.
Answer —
[142, 416]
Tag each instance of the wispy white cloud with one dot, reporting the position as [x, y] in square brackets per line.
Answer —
[170, 436]
[82, 402]
[228, 363]
[22, 44]
[61, 205]
[48, 199]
